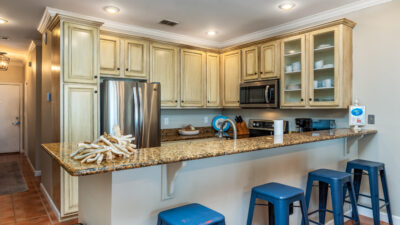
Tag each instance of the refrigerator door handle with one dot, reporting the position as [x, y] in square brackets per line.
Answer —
[137, 115]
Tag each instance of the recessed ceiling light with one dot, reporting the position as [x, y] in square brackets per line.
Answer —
[211, 33]
[287, 5]
[2, 21]
[111, 9]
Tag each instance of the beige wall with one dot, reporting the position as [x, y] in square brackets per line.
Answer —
[14, 74]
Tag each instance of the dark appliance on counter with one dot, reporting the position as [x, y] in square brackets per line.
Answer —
[308, 124]
[260, 94]
[265, 127]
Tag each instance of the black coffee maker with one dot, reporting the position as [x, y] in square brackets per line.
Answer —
[304, 124]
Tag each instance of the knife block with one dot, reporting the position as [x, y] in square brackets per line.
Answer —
[242, 128]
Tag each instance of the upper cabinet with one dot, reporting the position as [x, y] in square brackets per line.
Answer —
[213, 80]
[164, 69]
[136, 59]
[293, 82]
[270, 61]
[193, 72]
[109, 55]
[80, 53]
[250, 63]
[126, 58]
[231, 69]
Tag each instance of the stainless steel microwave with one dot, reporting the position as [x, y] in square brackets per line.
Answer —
[260, 94]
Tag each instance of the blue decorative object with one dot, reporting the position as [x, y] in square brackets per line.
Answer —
[279, 197]
[192, 214]
[217, 122]
[338, 182]
[374, 169]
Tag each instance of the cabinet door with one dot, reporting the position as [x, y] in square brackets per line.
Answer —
[136, 58]
[250, 63]
[164, 69]
[109, 55]
[293, 70]
[213, 97]
[79, 124]
[324, 71]
[193, 70]
[270, 61]
[231, 78]
[80, 53]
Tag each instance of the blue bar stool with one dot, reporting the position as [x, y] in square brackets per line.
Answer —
[338, 182]
[192, 214]
[279, 197]
[374, 169]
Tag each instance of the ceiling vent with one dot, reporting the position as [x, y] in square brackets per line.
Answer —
[168, 23]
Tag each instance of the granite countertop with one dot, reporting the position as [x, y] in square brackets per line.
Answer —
[185, 151]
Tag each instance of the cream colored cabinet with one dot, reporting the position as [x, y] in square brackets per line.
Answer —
[270, 61]
[164, 69]
[293, 82]
[80, 123]
[193, 76]
[136, 58]
[80, 53]
[110, 55]
[250, 63]
[213, 80]
[231, 69]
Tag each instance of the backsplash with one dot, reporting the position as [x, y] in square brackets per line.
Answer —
[177, 118]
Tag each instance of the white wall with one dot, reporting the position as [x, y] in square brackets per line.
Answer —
[178, 118]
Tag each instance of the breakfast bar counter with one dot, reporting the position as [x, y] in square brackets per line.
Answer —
[187, 150]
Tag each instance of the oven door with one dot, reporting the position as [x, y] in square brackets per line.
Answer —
[260, 94]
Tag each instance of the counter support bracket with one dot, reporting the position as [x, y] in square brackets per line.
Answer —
[169, 174]
[349, 142]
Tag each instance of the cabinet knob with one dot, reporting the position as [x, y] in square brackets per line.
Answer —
[118, 68]
[95, 77]
[182, 101]
[126, 69]
[208, 101]
[261, 72]
[95, 91]
[238, 101]
[301, 99]
[176, 100]
[255, 73]
[310, 99]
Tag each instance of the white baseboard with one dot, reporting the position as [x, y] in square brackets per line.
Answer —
[383, 216]
[36, 173]
[50, 201]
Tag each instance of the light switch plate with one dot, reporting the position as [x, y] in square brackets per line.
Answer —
[166, 121]
[48, 96]
[371, 119]
[206, 119]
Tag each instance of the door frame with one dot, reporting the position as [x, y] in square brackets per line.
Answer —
[21, 112]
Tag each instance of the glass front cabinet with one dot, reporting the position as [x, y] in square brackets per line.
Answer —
[317, 69]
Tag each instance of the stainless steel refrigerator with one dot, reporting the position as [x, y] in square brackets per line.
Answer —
[134, 107]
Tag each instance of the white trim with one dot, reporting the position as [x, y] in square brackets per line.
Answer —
[36, 173]
[109, 25]
[50, 201]
[383, 215]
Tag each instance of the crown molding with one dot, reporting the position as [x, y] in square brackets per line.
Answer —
[112, 26]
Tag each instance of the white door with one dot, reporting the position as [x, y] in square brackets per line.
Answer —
[9, 118]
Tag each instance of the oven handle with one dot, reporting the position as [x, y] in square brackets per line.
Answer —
[267, 94]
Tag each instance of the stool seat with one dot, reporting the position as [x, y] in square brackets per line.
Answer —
[330, 174]
[365, 164]
[278, 191]
[192, 214]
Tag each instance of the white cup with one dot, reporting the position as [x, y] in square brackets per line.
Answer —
[319, 64]
[315, 84]
[296, 66]
[327, 83]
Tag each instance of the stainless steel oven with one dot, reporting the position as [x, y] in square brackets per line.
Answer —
[260, 94]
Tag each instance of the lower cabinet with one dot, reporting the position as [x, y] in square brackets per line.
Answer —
[80, 123]
[231, 68]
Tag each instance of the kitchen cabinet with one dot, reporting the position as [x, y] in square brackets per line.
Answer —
[270, 61]
[193, 75]
[293, 70]
[110, 55]
[136, 58]
[213, 80]
[164, 69]
[231, 73]
[317, 69]
[80, 53]
[250, 63]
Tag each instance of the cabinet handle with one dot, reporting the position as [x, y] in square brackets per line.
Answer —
[95, 91]
[310, 99]
[208, 101]
[301, 99]
[255, 73]
[118, 68]
[176, 101]
[261, 72]
[126, 69]
[95, 77]
[182, 101]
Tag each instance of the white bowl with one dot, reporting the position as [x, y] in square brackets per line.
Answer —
[189, 132]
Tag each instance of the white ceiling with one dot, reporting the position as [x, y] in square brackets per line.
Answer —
[231, 19]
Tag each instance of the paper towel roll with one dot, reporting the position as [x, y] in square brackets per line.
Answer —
[278, 127]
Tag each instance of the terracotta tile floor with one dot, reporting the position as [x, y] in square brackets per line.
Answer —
[29, 207]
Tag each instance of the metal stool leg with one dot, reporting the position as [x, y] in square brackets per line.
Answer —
[251, 209]
[304, 212]
[357, 182]
[308, 195]
[374, 188]
[282, 213]
[323, 197]
[354, 210]
[337, 203]
[271, 214]
[386, 194]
